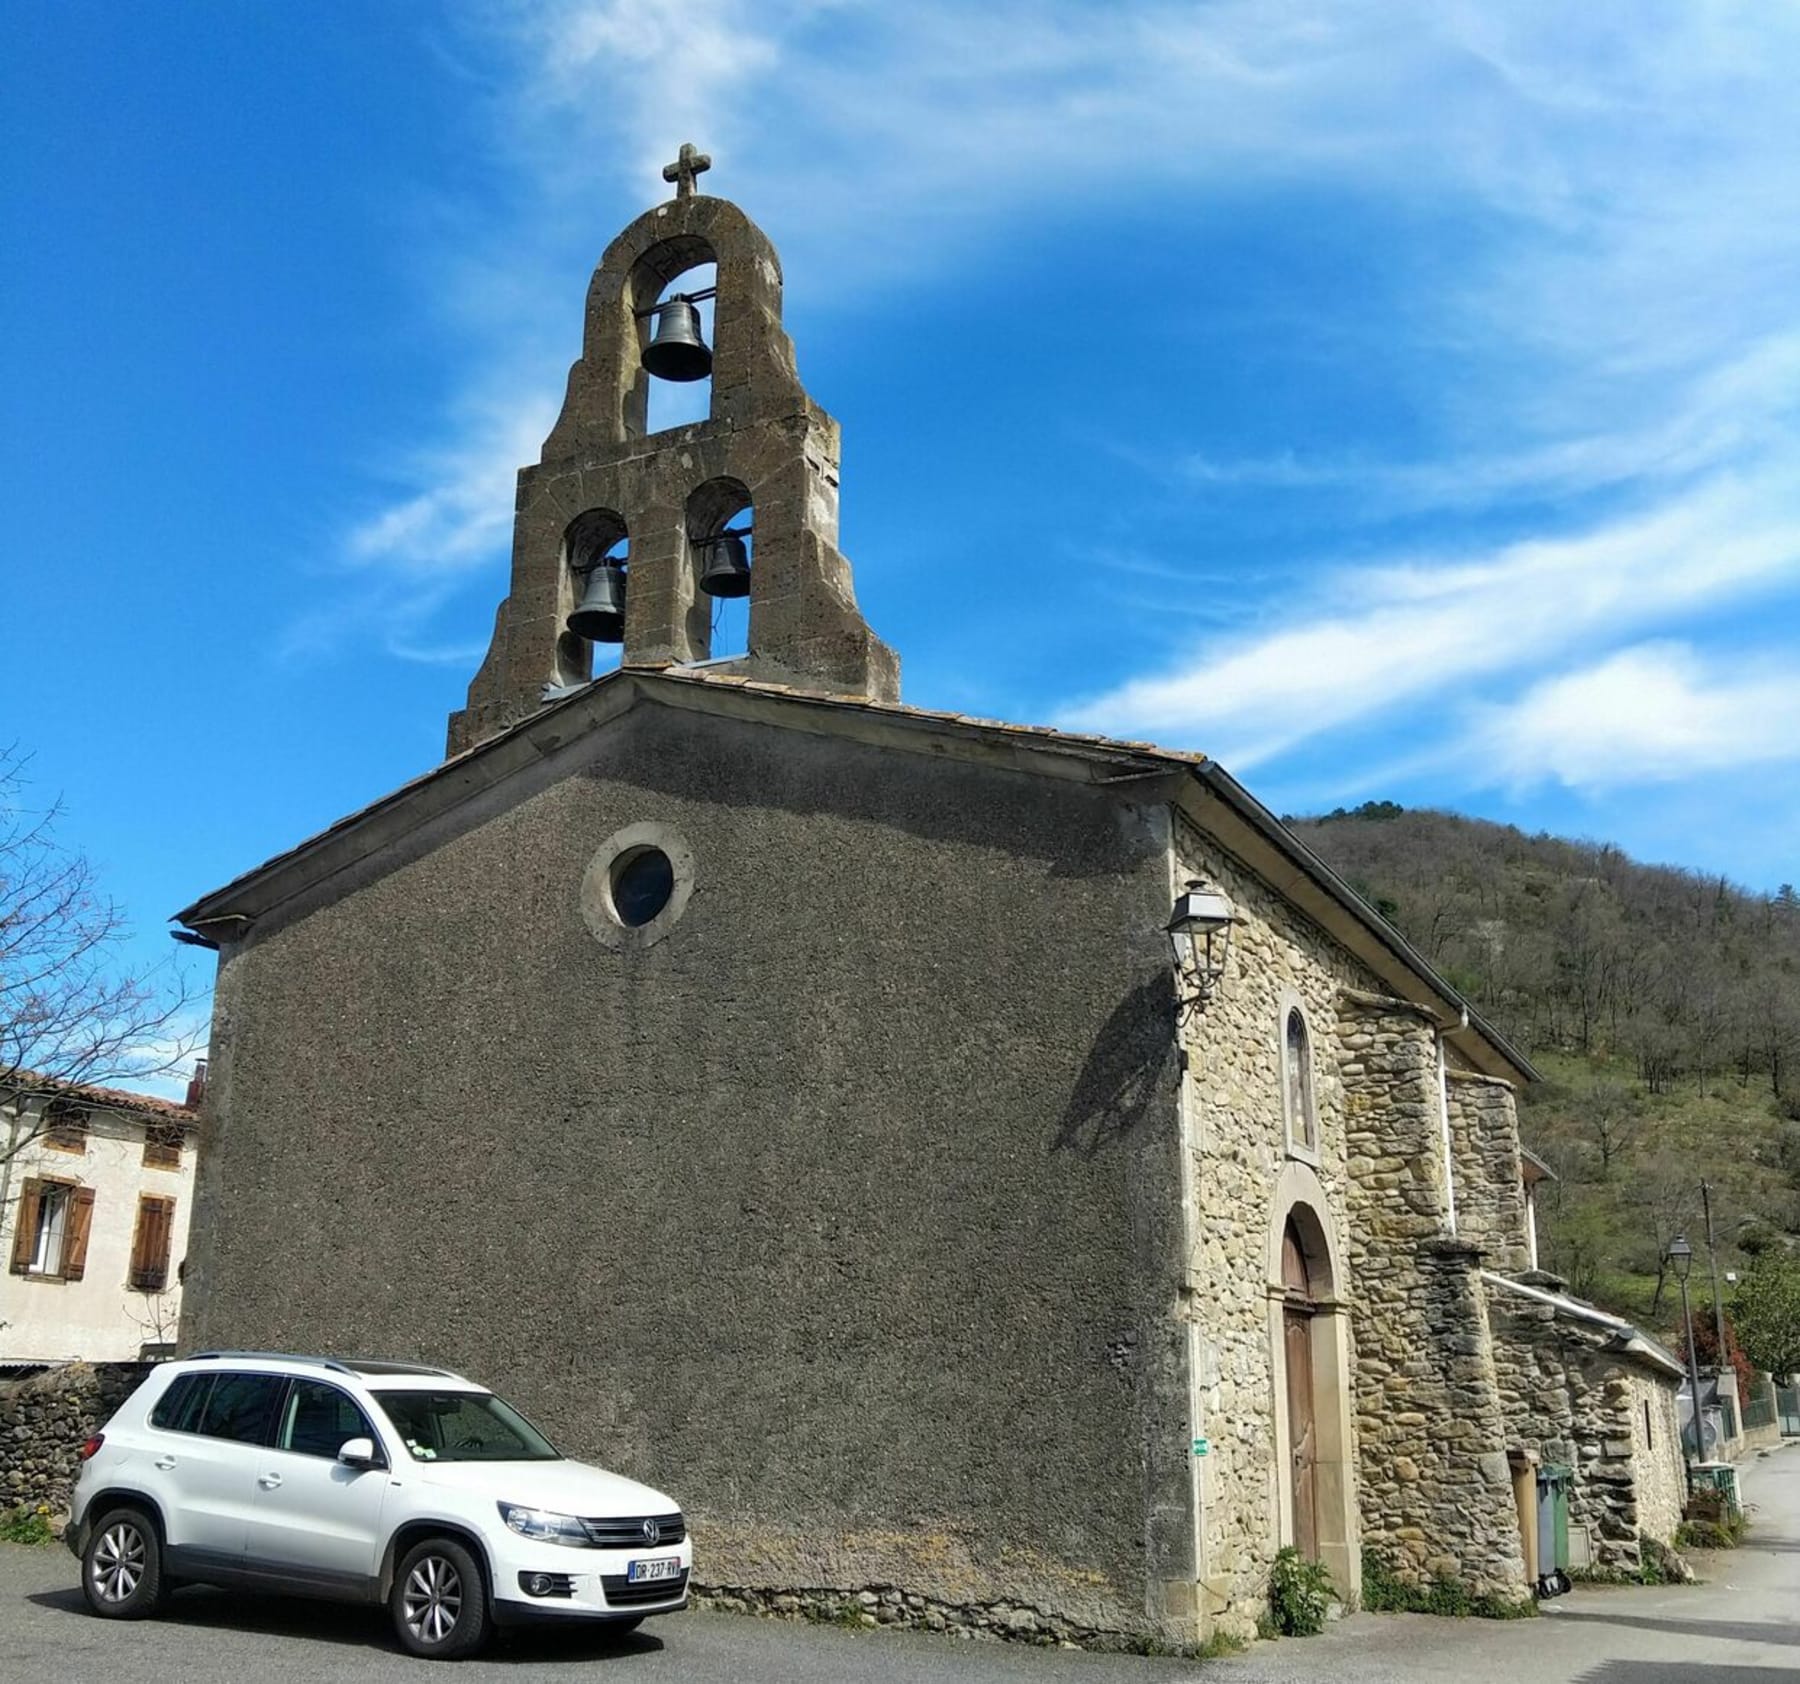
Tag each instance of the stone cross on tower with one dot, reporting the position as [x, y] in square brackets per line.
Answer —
[688, 164]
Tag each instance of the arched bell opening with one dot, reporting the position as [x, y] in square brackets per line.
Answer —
[1309, 1339]
[721, 539]
[673, 387]
[596, 569]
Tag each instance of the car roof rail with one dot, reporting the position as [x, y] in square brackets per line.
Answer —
[392, 1365]
[272, 1356]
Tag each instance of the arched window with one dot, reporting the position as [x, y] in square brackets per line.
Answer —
[679, 403]
[591, 540]
[1297, 1081]
[722, 507]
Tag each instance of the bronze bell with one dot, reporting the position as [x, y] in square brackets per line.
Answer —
[600, 615]
[677, 352]
[727, 570]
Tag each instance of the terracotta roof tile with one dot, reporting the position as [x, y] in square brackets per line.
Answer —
[118, 1099]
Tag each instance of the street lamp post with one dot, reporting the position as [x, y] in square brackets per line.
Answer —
[1681, 1259]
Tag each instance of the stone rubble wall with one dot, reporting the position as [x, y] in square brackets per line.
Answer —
[44, 1420]
[1490, 1182]
[1577, 1404]
[1659, 1476]
[1437, 1493]
[1238, 1141]
[887, 1605]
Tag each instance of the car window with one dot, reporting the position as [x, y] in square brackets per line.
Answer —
[464, 1427]
[178, 1409]
[240, 1407]
[319, 1420]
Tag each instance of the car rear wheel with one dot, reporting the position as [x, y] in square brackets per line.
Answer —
[121, 1568]
[439, 1602]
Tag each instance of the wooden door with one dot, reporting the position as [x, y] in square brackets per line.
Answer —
[1296, 1321]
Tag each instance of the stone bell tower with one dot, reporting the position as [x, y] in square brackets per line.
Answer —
[766, 457]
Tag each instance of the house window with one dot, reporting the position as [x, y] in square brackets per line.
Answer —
[162, 1146]
[150, 1244]
[1302, 1119]
[65, 1127]
[51, 1236]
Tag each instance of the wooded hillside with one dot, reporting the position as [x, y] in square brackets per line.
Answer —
[1663, 1007]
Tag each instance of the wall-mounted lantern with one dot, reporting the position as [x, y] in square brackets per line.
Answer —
[1200, 934]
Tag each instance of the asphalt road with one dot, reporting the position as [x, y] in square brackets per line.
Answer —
[1740, 1627]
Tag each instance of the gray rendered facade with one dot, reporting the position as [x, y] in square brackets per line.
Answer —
[849, 1211]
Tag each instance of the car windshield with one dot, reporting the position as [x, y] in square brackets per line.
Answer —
[464, 1427]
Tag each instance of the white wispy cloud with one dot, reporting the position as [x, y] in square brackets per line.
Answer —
[1619, 323]
[1654, 713]
[1416, 629]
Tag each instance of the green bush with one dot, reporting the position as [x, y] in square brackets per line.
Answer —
[1300, 1595]
[27, 1525]
[1385, 1592]
[1724, 1534]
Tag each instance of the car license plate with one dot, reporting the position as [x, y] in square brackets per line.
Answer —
[641, 1572]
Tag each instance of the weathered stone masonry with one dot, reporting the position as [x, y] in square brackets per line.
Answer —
[1436, 1490]
[1574, 1399]
[1490, 1184]
[44, 1420]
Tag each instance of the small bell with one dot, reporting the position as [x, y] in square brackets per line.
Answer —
[677, 352]
[600, 615]
[727, 570]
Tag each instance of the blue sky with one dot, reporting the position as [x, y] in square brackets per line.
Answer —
[1393, 400]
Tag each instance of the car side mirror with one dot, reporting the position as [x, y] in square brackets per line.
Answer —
[360, 1453]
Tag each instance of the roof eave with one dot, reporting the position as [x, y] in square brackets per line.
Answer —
[1311, 884]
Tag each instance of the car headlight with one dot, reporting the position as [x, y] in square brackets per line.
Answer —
[545, 1527]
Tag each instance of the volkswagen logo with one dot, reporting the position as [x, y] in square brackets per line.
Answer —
[651, 1531]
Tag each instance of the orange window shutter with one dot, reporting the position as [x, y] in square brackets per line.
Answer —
[165, 1232]
[75, 1239]
[25, 1234]
[140, 1246]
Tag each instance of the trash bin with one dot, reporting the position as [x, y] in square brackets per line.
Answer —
[1721, 1477]
[1553, 1482]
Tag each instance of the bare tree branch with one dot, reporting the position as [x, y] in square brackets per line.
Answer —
[73, 1013]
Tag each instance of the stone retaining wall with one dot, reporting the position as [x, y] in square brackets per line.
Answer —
[45, 1419]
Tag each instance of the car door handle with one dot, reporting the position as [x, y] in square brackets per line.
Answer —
[269, 1481]
[164, 1463]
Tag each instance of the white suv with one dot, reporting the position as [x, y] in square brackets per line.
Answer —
[364, 1482]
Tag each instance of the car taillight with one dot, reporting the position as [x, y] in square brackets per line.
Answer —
[92, 1445]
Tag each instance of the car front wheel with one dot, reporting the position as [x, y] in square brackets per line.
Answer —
[121, 1568]
[439, 1602]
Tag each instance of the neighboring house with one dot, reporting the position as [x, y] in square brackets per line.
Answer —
[96, 1192]
[796, 1098]
[1589, 1393]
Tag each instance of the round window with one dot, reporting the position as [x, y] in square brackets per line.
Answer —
[642, 882]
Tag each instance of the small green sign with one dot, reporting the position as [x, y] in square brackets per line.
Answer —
[1201, 1447]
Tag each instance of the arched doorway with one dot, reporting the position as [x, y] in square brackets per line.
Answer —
[1297, 1311]
[1309, 1338]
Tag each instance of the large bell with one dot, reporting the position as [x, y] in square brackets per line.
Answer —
[600, 615]
[727, 570]
[677, 352]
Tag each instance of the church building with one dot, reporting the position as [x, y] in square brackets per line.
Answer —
[994, 1168]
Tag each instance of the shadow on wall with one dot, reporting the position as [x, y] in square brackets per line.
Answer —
[1123, 1073]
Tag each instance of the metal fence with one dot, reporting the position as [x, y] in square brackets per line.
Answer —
[1759, 1410]
[1787, 1408]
